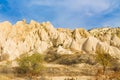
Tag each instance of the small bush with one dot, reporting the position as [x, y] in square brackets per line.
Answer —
[76, 59]
[51, 57]
[115, 65]
[104, 58]
[32, 65]
[88, 59]
[67, 59]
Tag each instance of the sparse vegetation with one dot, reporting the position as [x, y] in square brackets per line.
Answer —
[31, 65]
[4, 57]
[115, 66]
[103, 58]
[51, 57]
[106, 60]
[69, 59]
[118, 33]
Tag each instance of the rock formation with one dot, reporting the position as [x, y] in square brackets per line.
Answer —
[23, 38]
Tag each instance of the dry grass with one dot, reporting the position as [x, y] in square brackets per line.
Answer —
[4, 77]
[70, 59]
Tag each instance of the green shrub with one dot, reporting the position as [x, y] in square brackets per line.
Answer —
[32, 65]
[104, 58]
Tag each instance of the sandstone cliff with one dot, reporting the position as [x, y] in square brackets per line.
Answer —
[41, 37]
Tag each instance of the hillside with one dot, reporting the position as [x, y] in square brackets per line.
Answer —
[41, 37]
[66, 54]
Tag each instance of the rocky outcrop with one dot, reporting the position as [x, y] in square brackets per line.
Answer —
[22, 38]
[90, 44]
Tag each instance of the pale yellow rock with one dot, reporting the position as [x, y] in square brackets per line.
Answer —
[113, 51]
[5, 29]
[115, 41]
[90, 44]
[40, 37]
[61, 50]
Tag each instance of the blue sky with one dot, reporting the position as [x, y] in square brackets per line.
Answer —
[63, 13]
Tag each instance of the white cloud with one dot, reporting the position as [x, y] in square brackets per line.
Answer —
[67, 12]
[73, 12]
[74, 5]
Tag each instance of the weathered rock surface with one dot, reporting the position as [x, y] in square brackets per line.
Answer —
[22, 38]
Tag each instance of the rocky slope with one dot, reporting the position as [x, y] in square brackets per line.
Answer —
[41, 37]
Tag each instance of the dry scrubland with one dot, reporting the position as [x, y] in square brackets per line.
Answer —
[38, 51]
